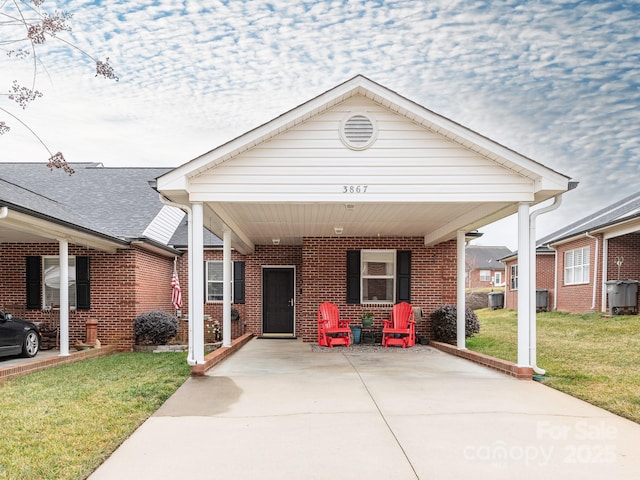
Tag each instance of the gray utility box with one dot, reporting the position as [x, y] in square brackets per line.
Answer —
[496, 300]
[542, 300]
[622, 296]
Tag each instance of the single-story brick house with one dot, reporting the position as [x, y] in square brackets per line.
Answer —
[359, 196]
[484, 269]
[575, 263]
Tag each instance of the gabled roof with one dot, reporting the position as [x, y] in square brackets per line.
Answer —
[361, 85]
[486, 257]
[621, 211]
[296, 167]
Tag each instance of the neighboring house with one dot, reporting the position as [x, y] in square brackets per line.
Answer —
[484, 269]
[359, 196]
[545, 279]
[576, 262]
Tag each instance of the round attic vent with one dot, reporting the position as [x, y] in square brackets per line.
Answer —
[358, 132]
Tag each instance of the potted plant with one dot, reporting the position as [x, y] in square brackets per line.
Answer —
[367, 319]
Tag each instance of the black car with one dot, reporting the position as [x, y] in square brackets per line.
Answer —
[18, 337]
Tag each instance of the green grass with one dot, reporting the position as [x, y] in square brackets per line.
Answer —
[588, 356]
[63, 422]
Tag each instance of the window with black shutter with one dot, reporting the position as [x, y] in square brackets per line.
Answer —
[42, 275]
[378, 277]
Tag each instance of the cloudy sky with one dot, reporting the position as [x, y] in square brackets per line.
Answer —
[556, 80]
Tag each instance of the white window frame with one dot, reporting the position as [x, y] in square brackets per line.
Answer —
[577, 266]
[51, 263]
[485, 275]
[209, 263]
[513, 277]
[497, 278]
[366, 255]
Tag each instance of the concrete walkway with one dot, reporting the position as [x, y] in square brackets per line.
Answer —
[278, 410]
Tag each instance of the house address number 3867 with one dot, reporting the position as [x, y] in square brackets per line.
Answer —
[354, 188]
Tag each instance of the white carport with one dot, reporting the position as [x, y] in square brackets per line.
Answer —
[358, 160]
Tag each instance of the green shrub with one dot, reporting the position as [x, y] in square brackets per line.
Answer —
[155, 328]
[444, 321]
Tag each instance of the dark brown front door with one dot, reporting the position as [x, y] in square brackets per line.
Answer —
[278, 302]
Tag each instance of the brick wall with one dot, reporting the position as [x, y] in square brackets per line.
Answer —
[579, 298]
[134, 280]
[251, 311]
[545, 266]
[628, 248]
[123, 285]
[473, 281]
[433, 279]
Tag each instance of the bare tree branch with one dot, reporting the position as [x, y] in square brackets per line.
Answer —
[28, 27]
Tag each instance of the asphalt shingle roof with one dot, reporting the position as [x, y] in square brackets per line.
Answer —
[625, 209]
[115, 201]
[486, 256]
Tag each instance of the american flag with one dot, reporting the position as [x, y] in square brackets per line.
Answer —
[176, 295]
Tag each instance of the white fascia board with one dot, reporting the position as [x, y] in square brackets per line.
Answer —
[619, 229]
[54, 231]
[463, 222]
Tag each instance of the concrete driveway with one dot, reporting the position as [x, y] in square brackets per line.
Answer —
[278, 410]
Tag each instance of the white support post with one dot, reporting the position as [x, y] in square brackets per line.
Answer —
[460, 283]
[226, 288]
[190, 355]
[196, 316]
[64, 297]
[524, 286]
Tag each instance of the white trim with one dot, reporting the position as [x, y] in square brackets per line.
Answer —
[196, 317]
[64, 297]
[524, 255]
[460, 291]
[226, 288]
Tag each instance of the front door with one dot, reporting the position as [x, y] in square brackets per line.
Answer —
[278, 302]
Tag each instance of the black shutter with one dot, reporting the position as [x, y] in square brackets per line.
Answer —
[353, 276]
[238, 282]
[83, 291]
[34, 283]
[403, 276]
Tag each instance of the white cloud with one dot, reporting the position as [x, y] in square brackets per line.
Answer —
[557, 81]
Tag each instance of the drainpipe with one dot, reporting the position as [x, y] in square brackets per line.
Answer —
[605, 274]
[191, 353]
[557, 201]
[595, 270]
[4, 211]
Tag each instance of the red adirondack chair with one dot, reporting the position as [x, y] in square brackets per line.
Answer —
[400, 329]
[331, 329]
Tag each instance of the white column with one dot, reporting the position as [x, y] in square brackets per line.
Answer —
[64, 297]
[196, 316]
[226, 288]
[190, 355]
[460, 283]
[524, 287]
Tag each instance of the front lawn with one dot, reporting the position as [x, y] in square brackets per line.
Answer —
[63, 422]
[588, 356]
